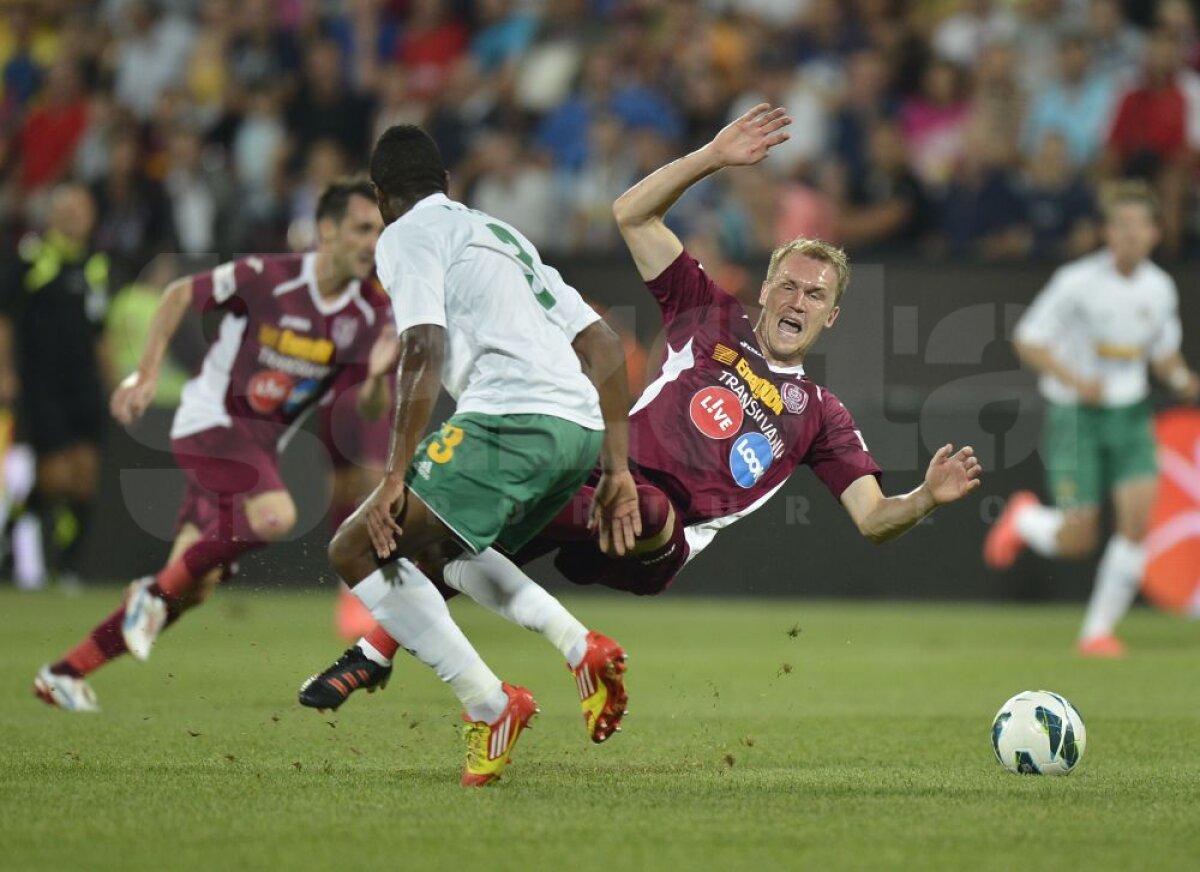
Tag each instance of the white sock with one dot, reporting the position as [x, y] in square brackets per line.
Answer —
[409, 607]
[497, 584]
[372, 653]
[1117, 581]
[1039, 526]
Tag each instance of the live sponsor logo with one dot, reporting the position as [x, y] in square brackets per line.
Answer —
[267, 390]
[717, 412]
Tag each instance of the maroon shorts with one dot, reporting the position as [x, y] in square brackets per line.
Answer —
[223, 467]
[351, 439]
[581, 561]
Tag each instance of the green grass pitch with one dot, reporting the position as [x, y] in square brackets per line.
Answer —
[763, 734]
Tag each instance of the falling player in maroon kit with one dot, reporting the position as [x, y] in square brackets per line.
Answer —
[290, 326]
[729, 418]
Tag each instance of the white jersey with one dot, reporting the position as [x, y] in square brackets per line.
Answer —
[509, 318]
[1103, 325]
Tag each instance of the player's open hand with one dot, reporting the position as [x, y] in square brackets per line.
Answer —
[747, 140]
[132, 397]
[615, 513]
[950, 476]
[1189, 391]
[380, 511]
[385, 354]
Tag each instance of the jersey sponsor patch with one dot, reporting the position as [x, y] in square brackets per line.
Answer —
[717, 412]
[287, 342]
[761, 387]
[303, 391]
[795, 398]
[267, 391]
[749, 459]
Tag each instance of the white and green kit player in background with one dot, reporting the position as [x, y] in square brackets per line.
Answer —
[1091, 335]
[542, 393]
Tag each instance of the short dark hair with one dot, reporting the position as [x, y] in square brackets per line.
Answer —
[335, 199]
[1128, 192]
[407, 163]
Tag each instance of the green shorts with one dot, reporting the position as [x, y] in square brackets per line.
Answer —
[499, 479]
[1091, 450]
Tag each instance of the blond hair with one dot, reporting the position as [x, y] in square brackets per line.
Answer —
[814, 249]
[1127, 192]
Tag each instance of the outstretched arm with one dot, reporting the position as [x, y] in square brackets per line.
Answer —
[950, 477]
[640, 210]
[136, 391]
[615, 508]
[375, 393]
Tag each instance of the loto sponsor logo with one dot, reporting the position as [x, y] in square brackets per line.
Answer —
[267, 390]
[724, 354]
[749, 459]
[716, 412]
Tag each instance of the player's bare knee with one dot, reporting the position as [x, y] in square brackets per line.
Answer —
[272, 522]
[1080, 536]
[347, 556]
[1133, 529]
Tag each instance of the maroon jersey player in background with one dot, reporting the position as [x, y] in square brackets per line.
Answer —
[290, 327]
[729, 418]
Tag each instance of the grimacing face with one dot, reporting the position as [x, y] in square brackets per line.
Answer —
[798, 304]
[352, 240]
[1131, 232]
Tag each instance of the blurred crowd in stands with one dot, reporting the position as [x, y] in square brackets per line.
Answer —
[945, 128]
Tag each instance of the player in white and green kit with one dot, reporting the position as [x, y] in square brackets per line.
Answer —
[1092, 334]
[541, 390]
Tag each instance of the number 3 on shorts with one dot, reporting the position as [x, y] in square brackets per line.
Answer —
[442, 450]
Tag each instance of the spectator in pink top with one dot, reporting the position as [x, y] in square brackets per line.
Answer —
[934, 124]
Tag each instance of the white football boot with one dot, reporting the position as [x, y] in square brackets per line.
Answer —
[65, 692]
[145, 617]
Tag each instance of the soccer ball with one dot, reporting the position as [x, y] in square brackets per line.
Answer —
[1038, 733]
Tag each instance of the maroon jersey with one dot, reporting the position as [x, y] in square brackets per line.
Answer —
[720, 430]
[280, 346]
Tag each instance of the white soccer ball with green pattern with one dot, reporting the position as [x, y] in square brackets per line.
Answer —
[1038, 733]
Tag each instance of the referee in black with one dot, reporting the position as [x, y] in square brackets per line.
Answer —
[54, 297]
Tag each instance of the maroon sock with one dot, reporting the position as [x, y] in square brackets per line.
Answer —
[103, 644]
[178, 578]
[209, 554]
